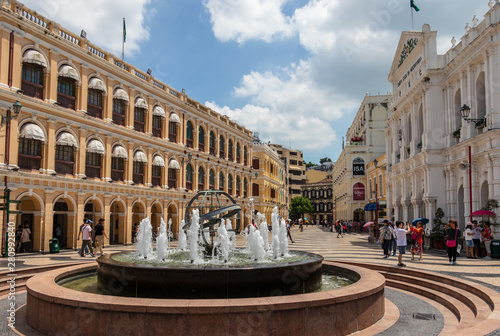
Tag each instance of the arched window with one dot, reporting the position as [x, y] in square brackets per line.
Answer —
[358, 192]
[245, 187]
[120, 100]
[238, 154]
[321, 207]
[31, 138]
[66, 86]
[211, 180]
[212, 143]
[118, 157]
[156, 170]
[32, 73]
[201, 178]
[189, 177]
[245, 155]
[358, 166]
[189, 134]
[173, 167]
[140, 160]
[65, 153]
[230, 184]
[158, 116]
[238, 185]
[230, 150]
[172, 127]
[222, 145]
[201, 139]
[93, 159]
[221, 181]
[140, 108]
[95, 92]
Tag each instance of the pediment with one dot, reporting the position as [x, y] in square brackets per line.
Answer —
[410, 44]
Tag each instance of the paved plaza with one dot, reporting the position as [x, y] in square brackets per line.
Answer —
[353, 247]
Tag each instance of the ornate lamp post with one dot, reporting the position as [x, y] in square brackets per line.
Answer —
[375, 163]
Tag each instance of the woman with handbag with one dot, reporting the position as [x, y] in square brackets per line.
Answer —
[417, 242]
[451, 236]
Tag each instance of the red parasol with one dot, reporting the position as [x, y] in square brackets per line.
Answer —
[483, 213]
[368, 224]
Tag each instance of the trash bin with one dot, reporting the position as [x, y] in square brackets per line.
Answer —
[495, 248]
[54, 245]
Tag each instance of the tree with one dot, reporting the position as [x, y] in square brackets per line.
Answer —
[491, 205]
[310, 164]
[299, 206]
[325, 159]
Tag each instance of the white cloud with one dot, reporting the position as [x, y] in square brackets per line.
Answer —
[102, 20]
[242, 20]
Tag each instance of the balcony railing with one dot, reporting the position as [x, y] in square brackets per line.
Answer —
[138, 178]
[238, 159]
[201, 186]
[119, 119]
[32, 89]
[117, 175]
[66, 101]
[189, 185]
[157, 132]
[222, 154]
[93, 171]
[94, 111]
[64, 167]
[172, 137]
[25, 161]
[189, 143]
[212, 151]
[230, 157]
[201, 147]
[156, 181]
[139, 126]
[172, 183]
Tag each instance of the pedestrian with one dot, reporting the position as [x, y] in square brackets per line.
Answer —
[452, 234]
[25, 237]
[134, 233]
[338, 228]
[394, 240]
[57, 233]
[99, 235]
[85, 250]
[86, 238]
[288, 230]
[417, 246]
[401, 241]
[19, 232]
[487, 240]
[301, 225]
[469, 243]
[386, 238]
[477, 240]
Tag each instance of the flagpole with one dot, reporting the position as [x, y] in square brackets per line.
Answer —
[411, 9]
[123, 39]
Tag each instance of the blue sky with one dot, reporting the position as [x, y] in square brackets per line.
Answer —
[295, 71]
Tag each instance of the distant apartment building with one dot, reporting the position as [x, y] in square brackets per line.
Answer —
[318, 189]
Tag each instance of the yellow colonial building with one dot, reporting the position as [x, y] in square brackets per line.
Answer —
[269, 181]
[375, 175]
[97, 137]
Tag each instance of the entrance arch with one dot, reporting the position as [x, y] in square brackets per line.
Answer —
[32, 212]
[156, 216]
[138, 213]
[358, 215]
[117, 219]
[173, 213]
[64, 221]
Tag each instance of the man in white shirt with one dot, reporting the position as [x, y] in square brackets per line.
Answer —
[401, 241]
[86, 239]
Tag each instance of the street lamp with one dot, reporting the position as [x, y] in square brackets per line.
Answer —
[375, 163]
[465, 112]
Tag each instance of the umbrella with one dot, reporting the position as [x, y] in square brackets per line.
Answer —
[368, 224]
[483, 213]
[423, 220]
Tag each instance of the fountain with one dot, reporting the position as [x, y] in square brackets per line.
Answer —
[184, 288]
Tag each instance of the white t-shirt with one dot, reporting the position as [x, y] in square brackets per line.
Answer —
[468, 235]
[87, 232]
[400, 236]
[477, 232]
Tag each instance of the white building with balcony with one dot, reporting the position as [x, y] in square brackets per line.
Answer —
[428, 141]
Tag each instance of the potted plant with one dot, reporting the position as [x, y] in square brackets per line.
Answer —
[398, 155]
[480, 124]
[408, 149]
[456, 134]
[419, 145]
[437, 235]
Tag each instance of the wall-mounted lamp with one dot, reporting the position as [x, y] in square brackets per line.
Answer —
[16, 108]
[465, 113]
[189, 158]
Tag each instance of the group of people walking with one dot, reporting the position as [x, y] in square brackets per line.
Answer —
[394, 237]
[92, 238]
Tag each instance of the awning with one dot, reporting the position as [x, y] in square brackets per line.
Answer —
[139, 156]
[120, 94]
[95, 146]
[66, 139]
[32, 131]
[372, 206]
[141, 103]
[34, 57]
[158, 111]
[173, 164]
[174, 118]
[68, 72]
[119, 152]
[158, 161]
[96, 84]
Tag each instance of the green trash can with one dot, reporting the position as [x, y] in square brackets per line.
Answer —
[495, 248]
[54, 245]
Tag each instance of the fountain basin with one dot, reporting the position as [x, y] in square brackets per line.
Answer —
[210, 281]
[53, 309]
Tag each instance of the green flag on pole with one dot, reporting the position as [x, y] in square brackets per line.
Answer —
[125, 30]
[412, 5]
